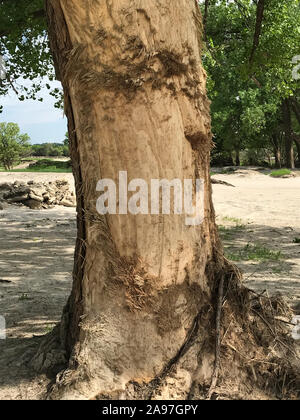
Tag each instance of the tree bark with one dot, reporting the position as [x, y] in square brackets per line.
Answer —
[296, 139]
[147, 297]
[297, 143]
[296, 108]
[237, 157]
[289, 144]
[260, 9]
[277, 151]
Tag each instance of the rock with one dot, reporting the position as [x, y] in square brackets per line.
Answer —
[17, 193]
[38, 195]
[19, 184]
[67, 203]
[5, 186]
[18, 198]
[35, 197]
[33, 204]
[1, 207]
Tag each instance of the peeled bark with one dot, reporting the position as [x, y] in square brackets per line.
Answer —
[147, 290]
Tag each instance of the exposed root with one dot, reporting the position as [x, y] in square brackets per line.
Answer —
[218, 339]
[255, 357]
[256, 348]
[51, 356]
[217, 182]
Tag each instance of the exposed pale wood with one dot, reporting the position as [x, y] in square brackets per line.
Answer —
[136, 101]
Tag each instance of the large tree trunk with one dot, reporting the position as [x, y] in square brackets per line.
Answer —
[145, 288]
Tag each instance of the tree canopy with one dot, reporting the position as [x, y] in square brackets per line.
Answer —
[249, 59]
[24, 46]
[13, 144]
[248, 54]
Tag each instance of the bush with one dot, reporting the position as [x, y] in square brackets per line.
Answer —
[48, 165]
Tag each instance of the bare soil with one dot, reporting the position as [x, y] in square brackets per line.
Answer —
[263, 211]
[37, 248]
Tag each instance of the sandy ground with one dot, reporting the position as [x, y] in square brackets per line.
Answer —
[36, 253]
[36, 258]
[263, 211]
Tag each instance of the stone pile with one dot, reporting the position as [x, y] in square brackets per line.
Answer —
[37, 195]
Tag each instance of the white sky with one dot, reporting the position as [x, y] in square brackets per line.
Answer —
[40, 120]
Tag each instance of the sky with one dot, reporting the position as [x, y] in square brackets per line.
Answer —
[40, 120]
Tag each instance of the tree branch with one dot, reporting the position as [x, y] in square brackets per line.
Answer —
[258, 27]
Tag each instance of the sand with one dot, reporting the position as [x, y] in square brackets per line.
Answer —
[37, 248]
[268, 211]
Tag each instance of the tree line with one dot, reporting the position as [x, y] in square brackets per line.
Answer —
[15, 146]
[248, 55]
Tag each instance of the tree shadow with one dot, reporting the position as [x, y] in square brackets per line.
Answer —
[274, 263]
[36, 261]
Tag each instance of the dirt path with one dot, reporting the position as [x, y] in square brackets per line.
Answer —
[36, 253]
[258, 219]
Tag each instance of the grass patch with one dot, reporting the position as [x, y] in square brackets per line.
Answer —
[31, 159]
[46, 165]
[279, 270]
[239, 222]
[255, 253]
[227, 233]
[49, 328]
[280, 173]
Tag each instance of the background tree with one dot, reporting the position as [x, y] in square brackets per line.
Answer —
[255, 42]
[24, 46]
[13, 145]
[51, 149]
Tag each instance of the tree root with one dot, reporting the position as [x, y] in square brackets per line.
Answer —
[218, 339]
[255, 357]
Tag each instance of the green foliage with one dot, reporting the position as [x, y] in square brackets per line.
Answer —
[50, 149]
[255, 252]
[24, 46]
[48, 165]
[247, 97]
[13, 144]
[280, 173]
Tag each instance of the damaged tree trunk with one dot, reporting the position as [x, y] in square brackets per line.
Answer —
[145, 290]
